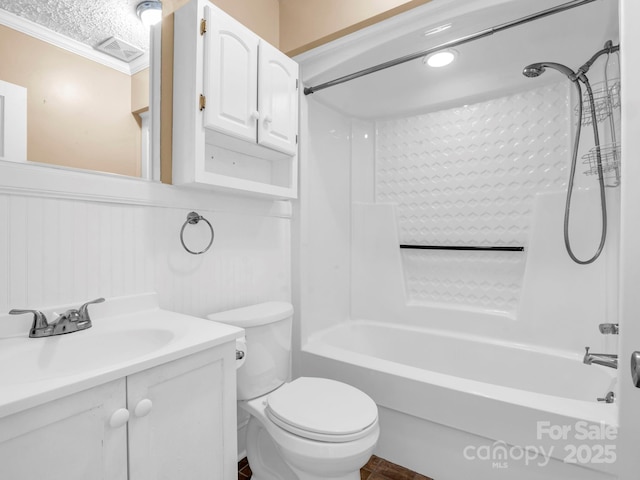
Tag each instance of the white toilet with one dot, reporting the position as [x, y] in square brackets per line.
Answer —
[307, 429]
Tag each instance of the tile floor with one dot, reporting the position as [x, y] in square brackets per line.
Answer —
[376, 469]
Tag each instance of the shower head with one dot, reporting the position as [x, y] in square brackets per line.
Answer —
[537, 69]
[534, 70]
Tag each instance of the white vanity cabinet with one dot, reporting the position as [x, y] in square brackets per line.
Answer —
[174, 420]
[235, 106]
[68, 438]
[179, 434]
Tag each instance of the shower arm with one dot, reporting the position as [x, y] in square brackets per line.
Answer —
[608, 49]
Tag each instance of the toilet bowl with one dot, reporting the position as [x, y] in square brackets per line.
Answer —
[306, 429]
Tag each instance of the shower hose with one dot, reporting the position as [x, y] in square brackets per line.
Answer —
[574, 161]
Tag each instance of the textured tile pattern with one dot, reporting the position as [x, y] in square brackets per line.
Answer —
[468, 176]
[376, 469]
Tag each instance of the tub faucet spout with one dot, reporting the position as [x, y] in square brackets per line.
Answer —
[604, 359]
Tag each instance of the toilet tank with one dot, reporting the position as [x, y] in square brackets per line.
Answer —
[268, 357]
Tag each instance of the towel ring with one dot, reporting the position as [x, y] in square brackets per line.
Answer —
[192, 219]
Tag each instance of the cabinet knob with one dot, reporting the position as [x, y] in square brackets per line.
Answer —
[143, 408]
[268, 119]
[255, 115]
[119, 418]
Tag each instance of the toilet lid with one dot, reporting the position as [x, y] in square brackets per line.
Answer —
[318, 408]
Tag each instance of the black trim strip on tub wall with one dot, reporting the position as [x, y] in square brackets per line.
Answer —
[464, 247]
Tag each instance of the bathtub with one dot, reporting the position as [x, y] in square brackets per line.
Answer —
[457, 407]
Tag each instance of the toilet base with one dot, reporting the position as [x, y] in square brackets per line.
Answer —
[267, 457]
[264, 457]
[308, 476]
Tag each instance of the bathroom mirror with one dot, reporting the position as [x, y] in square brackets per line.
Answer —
[84, 108]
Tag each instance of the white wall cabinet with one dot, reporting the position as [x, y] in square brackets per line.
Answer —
[176, 420]
[277, 100]
[230, 76]
[235, 106]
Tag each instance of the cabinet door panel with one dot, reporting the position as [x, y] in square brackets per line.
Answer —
[230, 76]
[67, 439]
[182, 434]
[278, 100]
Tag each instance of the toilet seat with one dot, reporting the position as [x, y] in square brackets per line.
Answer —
[322, 409]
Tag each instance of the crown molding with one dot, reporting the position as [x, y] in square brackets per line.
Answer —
[61, 41]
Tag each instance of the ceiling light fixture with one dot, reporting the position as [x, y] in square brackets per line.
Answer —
[149, 12]
[440, 59]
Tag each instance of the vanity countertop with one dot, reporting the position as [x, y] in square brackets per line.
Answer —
[129, 334]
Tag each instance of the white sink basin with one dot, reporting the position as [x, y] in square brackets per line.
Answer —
[129, 335]
[36, 359]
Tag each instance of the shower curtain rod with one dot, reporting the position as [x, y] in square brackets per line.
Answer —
[453, 43]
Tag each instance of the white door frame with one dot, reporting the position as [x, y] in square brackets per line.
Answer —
[13, 122]
[629, 432]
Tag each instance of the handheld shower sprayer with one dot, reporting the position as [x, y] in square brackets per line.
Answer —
[535, 70]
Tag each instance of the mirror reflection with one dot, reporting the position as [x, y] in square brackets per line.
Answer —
[84, 108]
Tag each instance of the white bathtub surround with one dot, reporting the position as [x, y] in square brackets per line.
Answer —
[459, 348]
[573, 295]
[469, 176]
[324, 236]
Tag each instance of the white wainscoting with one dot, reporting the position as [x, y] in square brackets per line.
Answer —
[68, 236]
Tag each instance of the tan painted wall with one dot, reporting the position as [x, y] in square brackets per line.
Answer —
[78, 111]
[261, 16]
[306, 24]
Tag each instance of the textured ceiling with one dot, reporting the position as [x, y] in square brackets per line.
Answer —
[87, 21]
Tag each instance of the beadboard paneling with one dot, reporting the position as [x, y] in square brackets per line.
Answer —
[55, 251]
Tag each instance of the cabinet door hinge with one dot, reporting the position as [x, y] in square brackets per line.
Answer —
[296, 139]
[296, 84]
[203, 102]
[203, 26]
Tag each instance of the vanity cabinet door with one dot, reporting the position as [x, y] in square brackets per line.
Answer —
[230, 76]
[278, 100]
[183, 418]
[67, 439]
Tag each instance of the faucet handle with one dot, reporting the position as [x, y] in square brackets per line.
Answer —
[587, 358]
[83, 311]
[39, 319]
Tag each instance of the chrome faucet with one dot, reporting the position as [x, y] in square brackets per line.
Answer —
[70, 321]
[604, 359]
